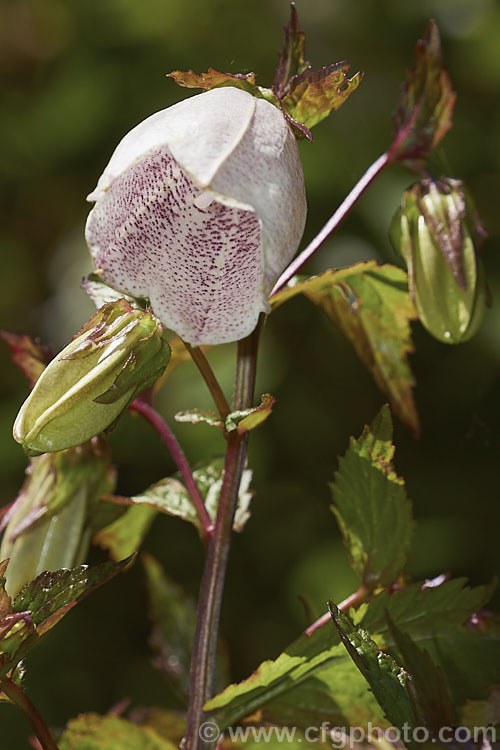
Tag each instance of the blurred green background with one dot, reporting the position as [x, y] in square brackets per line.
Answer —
[76, 76]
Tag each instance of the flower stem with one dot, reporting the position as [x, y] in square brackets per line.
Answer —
[354, 600]
[207, 373]
[21, 700]
[335, 220]
[168, 437]
[212, 584]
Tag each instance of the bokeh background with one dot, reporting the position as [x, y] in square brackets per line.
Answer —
[76, 76]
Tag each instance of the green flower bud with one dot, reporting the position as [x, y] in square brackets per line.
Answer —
[437, 232]
[48, 526]
[83, 391]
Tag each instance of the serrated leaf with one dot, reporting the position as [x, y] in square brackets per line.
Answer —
[94, 732]
[292, 56]
[387, 680]
[371, 507]
[30, 356]
[470, 660]
[215, 79]
[170, 496]
[371, 306]
[337, 694]
[125, 535]
[433, 618]
[51, 595]
[425, 109]
[431, 692]
[419, 610]
[312, 96]
[315, 680]
[41, 603]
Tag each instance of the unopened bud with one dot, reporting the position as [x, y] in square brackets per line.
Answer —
[83, 391]
[48, 525]
[437, 232]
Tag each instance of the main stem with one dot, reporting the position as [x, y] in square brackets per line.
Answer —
[212, 584]
[21, 700]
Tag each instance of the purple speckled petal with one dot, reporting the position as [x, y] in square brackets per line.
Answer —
[200, 267]
[200, 208]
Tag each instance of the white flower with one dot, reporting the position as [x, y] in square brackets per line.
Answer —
[200, 208]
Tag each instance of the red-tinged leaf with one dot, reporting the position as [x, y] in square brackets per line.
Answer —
[30, 356]
[371, 306]
[313, 96]
[248, 419]
[215, 79]
[425, 109]
[292, 60]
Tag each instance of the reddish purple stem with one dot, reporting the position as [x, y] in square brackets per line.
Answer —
[334, 221]
[168, 437]
[352, 601]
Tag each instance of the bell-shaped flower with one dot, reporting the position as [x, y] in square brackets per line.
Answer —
[200, 209]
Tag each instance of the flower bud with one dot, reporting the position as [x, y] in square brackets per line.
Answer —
[82, 392]
[48, 525]
[437, 232]
[199, 210]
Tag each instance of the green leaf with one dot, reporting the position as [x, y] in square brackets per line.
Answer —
[30, 356]
[248, 419]
[387, 680]
[422, 610]
[94, 732]
[433, 618]
[124, 536]
[173, 616]
[314, 679]
[371, 307]
[336, 693]
[41, 603]
[431, 692]
[292, 60]
[371, 507]
[425, 109]
[170, 496]
[312, 96]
